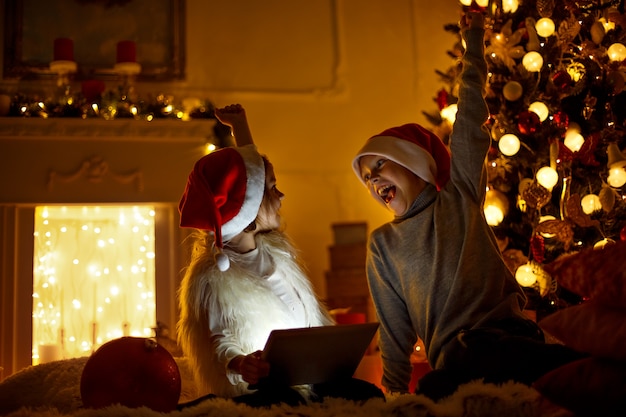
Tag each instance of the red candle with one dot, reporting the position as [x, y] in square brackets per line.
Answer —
[63, 49]
[126, 51]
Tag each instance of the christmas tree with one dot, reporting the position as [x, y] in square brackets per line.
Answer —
[556, 92]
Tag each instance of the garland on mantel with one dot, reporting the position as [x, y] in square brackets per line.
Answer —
[92, 101]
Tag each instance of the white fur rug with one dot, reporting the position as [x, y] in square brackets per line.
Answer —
[53, 390]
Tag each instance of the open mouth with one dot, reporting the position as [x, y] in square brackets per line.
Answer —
[387, 193]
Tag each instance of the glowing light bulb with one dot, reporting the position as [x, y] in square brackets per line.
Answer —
[540, 109]
[573, 140]
[545, 27]
[509, 6]
[590, 203]
[617, 177]
[482, 3]
[532, 61]
[617, 52]
[495, 207]
[547, 177]
[525, 276]
[449, 113]
[602, 243]
[466, 2]
[509, 144]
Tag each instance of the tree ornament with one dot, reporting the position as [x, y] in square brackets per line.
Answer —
[536, 196]
[560, 120]
[561, 80]
[622, 234]
[597, 32]
[563, 230]
[538, 248]
[512, 91]
[607, 196]
[131, 371]
[528, 122]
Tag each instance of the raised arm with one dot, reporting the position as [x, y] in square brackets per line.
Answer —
[234, 115]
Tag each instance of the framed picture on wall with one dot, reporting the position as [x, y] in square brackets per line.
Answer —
[92, 30]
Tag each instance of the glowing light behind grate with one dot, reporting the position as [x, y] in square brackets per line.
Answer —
[93, 278]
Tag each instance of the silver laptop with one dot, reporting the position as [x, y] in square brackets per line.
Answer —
[317, 354]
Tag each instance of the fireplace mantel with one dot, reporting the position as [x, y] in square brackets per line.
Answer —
[92, 153]
[73, 161]
[109, 130]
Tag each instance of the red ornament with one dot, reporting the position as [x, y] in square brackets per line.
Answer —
[622, 234]
[528, 122]
[131, 371]
[442, 99]
[538, 248]
[560, 120]
[561, 79]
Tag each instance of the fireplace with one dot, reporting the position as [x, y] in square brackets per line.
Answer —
[66, 162]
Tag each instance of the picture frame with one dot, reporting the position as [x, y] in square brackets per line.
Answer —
[95, 27]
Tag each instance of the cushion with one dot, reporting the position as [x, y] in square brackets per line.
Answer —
[587, 387]
[590, 327]
[598, 274]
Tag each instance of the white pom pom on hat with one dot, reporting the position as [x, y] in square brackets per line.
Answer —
[223, 195]
[412, 146]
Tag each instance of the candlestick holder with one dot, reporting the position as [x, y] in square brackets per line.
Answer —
[127, 71]
[63, 69]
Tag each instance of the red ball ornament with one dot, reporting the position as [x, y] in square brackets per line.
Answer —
[528, 122]
[561, 79]
[131, 371]
[561, 120]
[622, 234]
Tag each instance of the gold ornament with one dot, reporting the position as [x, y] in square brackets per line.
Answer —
[607, 198]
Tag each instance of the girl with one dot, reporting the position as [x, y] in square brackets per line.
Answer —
[244, 278]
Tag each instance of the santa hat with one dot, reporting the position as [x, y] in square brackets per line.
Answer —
[223, 195]
[415, 148]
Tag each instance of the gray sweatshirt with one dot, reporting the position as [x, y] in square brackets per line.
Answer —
[437, 269]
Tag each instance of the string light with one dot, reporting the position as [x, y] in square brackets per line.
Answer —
[99, 263]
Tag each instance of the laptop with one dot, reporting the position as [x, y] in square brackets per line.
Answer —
[317, 354]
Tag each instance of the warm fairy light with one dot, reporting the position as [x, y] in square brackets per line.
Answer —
[590, 203]
[573, 140]
[547, 177]
[466, 2]
[482, 3]
[576, 71]
[608, 25]
[509, 144]
[545, 27]
[510, 6]
[617, 52]
[495, 207]
[540, 109]
[449, 113]
[617, 177]
[525, 275]
[97, 262]
[532, 61]
[602, 243]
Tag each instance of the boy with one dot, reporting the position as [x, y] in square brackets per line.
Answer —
[435, 271]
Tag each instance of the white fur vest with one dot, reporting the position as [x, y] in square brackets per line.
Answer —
[247, 308]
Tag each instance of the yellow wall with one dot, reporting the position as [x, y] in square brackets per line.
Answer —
[317, 78]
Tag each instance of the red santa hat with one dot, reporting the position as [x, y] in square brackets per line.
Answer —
[415, 148]
[223, 195]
